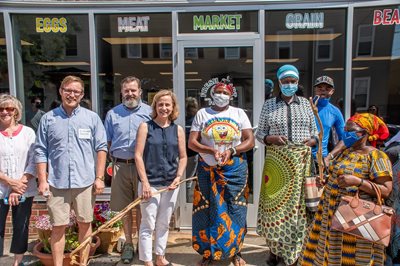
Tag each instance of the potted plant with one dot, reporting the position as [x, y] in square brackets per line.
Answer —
[42, 249]
[109, 237]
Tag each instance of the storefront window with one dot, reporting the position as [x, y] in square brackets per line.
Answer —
[217, 22]
[311, 40]
[133, 45]
[4, 87]
[48, 48]
[376, 62]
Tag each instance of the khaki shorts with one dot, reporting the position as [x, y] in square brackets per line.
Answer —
[81, 199]
[124, 185]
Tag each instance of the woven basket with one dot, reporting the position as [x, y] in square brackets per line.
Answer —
[109, 239]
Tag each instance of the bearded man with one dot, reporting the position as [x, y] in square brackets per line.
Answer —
[121, 126]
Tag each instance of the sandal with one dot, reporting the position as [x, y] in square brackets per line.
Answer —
[205, 262]
[237, 260]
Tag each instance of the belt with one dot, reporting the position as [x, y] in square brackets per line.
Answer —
[127, 161]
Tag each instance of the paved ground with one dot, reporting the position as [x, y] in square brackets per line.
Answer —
[179, 252]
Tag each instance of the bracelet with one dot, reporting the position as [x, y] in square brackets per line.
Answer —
[331, 155]
[233, 151]
[362, 182]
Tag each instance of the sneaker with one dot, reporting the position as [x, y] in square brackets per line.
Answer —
[127, 253]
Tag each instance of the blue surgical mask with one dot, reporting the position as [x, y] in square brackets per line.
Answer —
[322, 102]
[350, 137]
[288, 89]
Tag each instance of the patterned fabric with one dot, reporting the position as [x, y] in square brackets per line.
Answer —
[219, 209]
[281, 212]
[394, 201]
[294, 120]
[324, 246]
[375, 127]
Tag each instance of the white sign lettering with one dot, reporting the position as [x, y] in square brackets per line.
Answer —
[305, 21]
[133, 24]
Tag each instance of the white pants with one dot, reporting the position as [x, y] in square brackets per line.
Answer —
[156, 214]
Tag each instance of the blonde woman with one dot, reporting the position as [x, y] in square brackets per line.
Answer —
[160, 157]
[17, 171]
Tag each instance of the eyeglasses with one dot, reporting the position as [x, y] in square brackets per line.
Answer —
[8, 109]
[68, 91]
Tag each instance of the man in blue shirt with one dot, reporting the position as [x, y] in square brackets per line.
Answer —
[121, 126]
[330, 115]
[71, 142]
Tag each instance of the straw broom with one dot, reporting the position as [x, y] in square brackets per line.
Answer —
[83, 246]
[320, 159]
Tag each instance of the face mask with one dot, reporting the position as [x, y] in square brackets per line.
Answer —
[288, 89]
[131, 103]
[38, 105]
[323, 102]
[221, 100]
[350, 137]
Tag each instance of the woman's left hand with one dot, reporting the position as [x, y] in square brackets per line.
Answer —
[13, 199]
[311, 142]
[175, 183]
[348, 181]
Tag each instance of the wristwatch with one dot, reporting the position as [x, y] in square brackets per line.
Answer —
[233, 151]
[100, 177]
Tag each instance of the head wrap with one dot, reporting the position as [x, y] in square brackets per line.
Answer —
[287, 71]
[375, 127]
[229, 86]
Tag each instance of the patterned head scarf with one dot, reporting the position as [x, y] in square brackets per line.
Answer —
[374, 126]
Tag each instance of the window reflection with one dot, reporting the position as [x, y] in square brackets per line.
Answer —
[48, 48]
[315, 51]
[4, 87]
[134, 44]
[376, 64]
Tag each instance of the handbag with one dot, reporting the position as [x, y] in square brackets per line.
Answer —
[364, 219]
[312, 193]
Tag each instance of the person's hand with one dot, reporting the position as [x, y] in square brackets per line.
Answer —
[19, 185]
[311, 142]
[348, 181]
[98, 186]
[321, 181]
[175, 183]
[225, 156]
[327, 161]
[146, 190]
[44, 189]
[217, 156]
[277, 140]
[13, 199]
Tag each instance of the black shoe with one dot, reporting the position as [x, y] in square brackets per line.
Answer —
[273, 260]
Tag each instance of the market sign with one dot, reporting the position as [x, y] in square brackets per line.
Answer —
[386, 17]
[47, 25]
[305, 20]
[133, 24]
[217, 22]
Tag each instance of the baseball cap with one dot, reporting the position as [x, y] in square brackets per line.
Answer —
[324, 79]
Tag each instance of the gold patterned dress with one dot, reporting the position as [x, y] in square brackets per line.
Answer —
[324, 246]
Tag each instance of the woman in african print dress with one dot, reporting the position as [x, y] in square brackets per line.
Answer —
[287, 127]
[221, 134]
[355, 168]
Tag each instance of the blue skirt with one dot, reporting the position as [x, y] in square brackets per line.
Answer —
[220, 209]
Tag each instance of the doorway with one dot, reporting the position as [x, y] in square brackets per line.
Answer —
[199, 64]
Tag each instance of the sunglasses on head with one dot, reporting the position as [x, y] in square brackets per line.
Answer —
[8, 109]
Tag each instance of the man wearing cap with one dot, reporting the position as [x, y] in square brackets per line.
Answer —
[330, 115]
[287, 127]
[121, 125]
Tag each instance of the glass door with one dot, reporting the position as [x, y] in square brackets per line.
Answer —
[200, 65]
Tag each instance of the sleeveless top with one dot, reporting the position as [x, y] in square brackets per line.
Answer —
[161, 154]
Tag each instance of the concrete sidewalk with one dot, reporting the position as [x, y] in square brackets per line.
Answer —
[179, 252]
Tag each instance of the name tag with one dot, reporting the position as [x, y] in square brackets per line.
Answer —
[84, 133]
